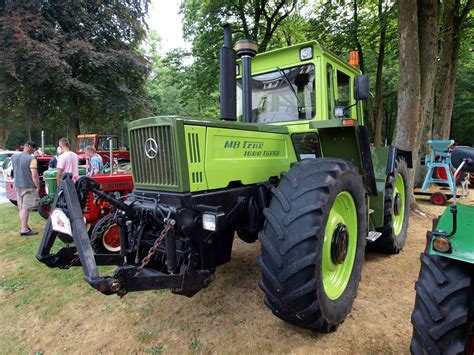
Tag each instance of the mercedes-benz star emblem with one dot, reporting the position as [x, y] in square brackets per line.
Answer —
[151, 148]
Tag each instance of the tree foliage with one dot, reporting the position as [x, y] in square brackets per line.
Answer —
[74, 61]
[203, 20]
[76, 65]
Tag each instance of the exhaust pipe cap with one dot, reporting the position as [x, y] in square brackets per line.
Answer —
[246, 47]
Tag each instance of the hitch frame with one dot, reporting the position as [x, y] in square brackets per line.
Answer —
[126, 277]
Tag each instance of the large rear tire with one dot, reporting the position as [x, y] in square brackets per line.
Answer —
[396, 211]
[313, 243]
[441, 319]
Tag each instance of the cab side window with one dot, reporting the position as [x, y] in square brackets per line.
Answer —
[343, 89]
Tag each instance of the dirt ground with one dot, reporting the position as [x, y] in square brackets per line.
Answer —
[53, 313]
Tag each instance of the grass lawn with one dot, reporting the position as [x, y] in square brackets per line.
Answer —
[44, 311]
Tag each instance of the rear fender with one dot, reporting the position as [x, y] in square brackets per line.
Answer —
[384, 161]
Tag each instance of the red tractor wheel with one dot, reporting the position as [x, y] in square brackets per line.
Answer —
[438, 199]
[105, 236]
[111, 238]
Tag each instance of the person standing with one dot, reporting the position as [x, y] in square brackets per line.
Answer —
[27, 185]
[95, 165]
[68, 162]
[54, 160]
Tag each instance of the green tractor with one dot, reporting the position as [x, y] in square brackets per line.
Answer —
[289, 163]
[444, 307]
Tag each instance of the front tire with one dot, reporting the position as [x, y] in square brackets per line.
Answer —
[313, 243]
[441, 319]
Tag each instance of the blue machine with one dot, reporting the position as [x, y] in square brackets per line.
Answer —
[440, 157]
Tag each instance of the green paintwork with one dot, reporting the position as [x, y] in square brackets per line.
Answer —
[289, 57]
[397, 220]
[379, 161]
[462, 243]
[248, 157]
[49, 177]
[178, 157]
[258, 127]
[336, 276]
[341, 142]
[332, 123]
[196, 156]
[229, 152]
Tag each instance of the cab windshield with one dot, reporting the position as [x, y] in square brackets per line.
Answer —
[282, 95]
[84, 142]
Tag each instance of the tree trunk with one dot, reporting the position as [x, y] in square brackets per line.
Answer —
[4, 133]
[453, 21]
[74, 123]
[408, 120]
[378, 119]
[428, 13]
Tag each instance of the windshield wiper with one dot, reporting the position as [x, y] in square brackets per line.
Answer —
[282, 73]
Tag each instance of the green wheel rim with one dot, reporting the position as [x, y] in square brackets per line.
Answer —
[398, 215]
[336, 275]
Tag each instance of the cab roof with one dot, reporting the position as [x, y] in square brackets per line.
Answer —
[288, 56]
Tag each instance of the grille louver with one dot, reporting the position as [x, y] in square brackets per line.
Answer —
[193, 143]
[161, 170]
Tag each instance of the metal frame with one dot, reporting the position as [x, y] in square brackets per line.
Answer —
[441, 149]
[126, 278]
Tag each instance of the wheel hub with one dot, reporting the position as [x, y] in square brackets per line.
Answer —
[397, 204]
[111, 238]
[340, 240]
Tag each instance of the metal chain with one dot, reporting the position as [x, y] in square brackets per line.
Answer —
[169, 225]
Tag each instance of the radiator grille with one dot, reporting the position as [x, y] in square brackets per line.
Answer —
[162, 170]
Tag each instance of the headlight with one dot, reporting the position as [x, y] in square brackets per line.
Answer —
[441, 244]
[213, 221]
[209, 222]
[306, 53]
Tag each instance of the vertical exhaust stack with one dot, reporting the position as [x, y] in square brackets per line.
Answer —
[246, 50]
[42, 143]
[227, 79]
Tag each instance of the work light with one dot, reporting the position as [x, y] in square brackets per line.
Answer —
[306, 53]
[209, 222]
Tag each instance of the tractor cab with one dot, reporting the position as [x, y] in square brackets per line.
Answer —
[102, 144]
[298, 84]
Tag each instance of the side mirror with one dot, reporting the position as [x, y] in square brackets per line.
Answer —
[361, 87]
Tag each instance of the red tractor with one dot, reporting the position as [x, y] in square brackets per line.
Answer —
[102, 144]
[98, 213]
